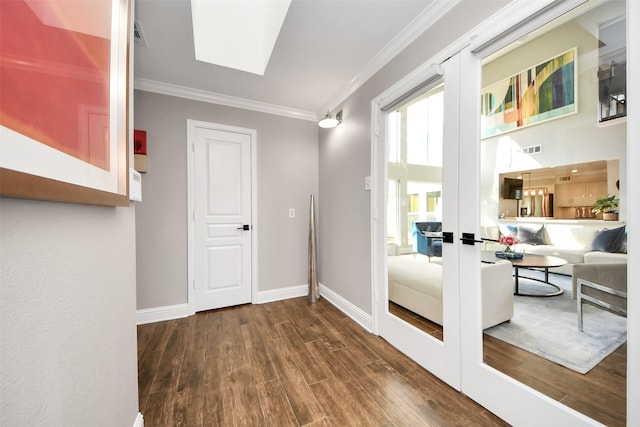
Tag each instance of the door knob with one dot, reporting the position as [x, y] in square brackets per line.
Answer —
[245, 227]
[469, 239]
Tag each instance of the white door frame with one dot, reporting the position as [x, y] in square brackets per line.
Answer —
[191, 126]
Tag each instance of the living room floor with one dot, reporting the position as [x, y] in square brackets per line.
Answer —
[599, 394]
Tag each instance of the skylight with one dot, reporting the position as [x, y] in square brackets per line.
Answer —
[237, 34]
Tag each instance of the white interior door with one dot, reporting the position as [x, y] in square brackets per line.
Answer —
[222, 241]
[440, 354]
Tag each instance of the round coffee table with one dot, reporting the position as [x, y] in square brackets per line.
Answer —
[530, 261]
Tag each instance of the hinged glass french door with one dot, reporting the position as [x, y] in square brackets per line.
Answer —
[539, 98]
[412, 216]
[416, 181]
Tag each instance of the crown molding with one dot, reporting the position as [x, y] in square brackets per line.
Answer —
[220, 99]
[419, 25]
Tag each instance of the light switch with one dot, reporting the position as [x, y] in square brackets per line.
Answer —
[367, 183]
[292, 213]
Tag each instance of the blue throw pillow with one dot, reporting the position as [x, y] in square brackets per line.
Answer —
[532, 234]
[621, 243]
[609, 240]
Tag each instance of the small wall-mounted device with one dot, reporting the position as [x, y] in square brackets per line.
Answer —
[135, 185]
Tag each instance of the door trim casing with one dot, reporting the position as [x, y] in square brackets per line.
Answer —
[253, 134]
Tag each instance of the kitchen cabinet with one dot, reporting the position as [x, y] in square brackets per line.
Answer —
[595, 190]
[579, 193]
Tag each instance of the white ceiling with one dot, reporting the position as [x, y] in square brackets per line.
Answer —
[324, 47]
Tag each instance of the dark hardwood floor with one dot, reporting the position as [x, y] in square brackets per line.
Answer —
[599, 394]
[287, 363]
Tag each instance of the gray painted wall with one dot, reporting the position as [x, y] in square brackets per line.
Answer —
[287, 168]
[67, 280]
[345, 160]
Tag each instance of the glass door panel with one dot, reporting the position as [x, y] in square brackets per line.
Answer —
[545, 157]
[414, 211]
[416, 163]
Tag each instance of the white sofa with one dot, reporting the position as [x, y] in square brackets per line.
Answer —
[417, 286]
[567, 239]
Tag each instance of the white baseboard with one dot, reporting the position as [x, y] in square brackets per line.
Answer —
[139, 422]
[280, 294]
[159, 314]
[356, 313]
[178, 311]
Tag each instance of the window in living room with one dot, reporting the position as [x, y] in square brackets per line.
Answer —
[393, 236]
[414, 203]
[424, 130]
[424, 203]
[434, 207]
[612, 71]
[415, 166]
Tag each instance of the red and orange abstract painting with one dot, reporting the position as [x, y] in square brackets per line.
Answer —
[55, 68]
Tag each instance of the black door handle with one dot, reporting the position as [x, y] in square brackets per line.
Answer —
[245, 227]
[447, 237]
[469, 239]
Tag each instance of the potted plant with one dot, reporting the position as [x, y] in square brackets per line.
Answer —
[607, 206]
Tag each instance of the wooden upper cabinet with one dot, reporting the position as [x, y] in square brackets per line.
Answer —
[595, 190]
[579, 193]
[562, 195]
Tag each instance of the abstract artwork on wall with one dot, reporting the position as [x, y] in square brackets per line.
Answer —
[543, 92]
[63, 100]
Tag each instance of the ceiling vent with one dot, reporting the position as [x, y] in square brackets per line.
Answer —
[564, 178]
[138, 34]
[532, 149]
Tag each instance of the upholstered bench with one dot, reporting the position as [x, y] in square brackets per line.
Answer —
[417, 286]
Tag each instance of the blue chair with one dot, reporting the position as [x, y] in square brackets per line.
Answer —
[429, 244]
[436, 246]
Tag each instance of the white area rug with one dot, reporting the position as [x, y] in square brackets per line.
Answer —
[547, 326]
